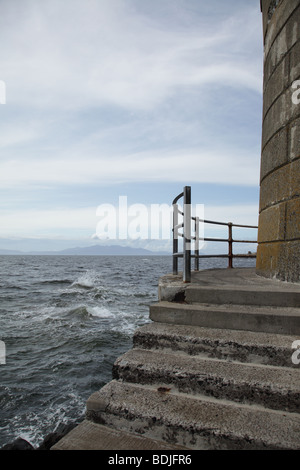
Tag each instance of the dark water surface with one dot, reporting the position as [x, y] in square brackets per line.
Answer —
[64, 321]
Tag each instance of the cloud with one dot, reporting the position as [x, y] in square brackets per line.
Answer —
[160, 166]
[137, 219]
[74, 54]
[17, 133]
[39, 222]
[111, 92]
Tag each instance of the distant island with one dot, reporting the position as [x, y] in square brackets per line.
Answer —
[95, 250]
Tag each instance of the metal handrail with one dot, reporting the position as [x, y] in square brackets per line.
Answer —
[186, 254]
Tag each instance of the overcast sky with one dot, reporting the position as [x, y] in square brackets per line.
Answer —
[136, 98]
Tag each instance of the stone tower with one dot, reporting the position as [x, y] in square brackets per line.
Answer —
[278, 252]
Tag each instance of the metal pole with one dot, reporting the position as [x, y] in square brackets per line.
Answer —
[187, 235]
[196, 243]
[175, 238]
[230, 245]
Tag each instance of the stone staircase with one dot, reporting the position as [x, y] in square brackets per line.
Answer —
[212, 371]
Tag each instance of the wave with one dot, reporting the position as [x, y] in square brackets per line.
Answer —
[34, 425]
[71, 320]
[88, 311]
[56, 281]
[99, 312]
[87, 280]
[14, 287]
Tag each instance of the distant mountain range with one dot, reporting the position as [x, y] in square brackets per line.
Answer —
[95, 250]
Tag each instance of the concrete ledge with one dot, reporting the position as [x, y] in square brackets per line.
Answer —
[243, 346]
[240, 286]
[273, 387]
[235, 317]
[91, 436]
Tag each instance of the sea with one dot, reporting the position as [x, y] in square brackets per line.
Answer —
[64, 320]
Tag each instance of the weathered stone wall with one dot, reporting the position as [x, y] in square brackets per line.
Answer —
[279, 220]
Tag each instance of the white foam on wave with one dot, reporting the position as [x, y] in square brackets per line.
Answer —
[40, 313]
[35, 426]
[99, 312]
[88, 280]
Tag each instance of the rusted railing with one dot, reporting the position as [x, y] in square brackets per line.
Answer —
[186, 225]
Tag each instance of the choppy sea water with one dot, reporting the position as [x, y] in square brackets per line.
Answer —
[64, 321]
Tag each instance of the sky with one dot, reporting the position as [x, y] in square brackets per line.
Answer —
[126, 98]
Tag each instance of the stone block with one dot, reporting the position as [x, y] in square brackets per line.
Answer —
[280, 260]
[276, 84]
[278, 49]
[281, 185]
[294, 140]
[295, 62]
[293, 219]
[265, 8]
[272, 224]
[294, 182]
[280, 114]
[275, 153]
[289, 262]
[275, 187]
[282, 13]
[274, 120]
[267, 258]
[283, 42]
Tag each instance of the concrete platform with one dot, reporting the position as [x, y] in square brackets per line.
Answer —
[235, 299]
[238, 277]
[234, 286]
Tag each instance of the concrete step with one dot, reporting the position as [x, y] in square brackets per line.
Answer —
[195, 422]
[92, 436]
[241, 295]
[273, 387]
[241, 286]
[242, 346]
[285, 321]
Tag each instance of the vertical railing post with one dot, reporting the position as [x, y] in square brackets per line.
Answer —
[196, 243]
[175, 238]
[187, 213]
[229, 245]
